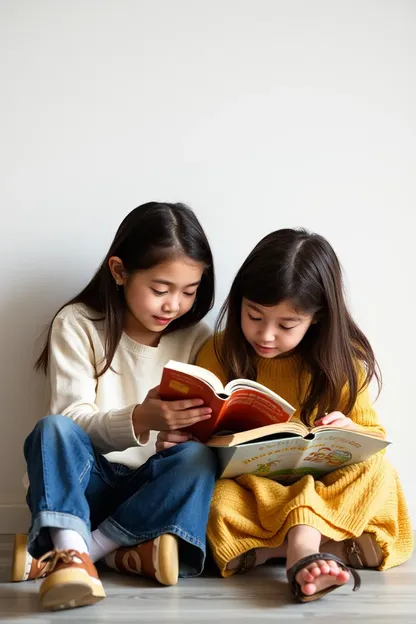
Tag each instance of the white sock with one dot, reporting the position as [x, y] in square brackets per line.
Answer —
[101, 545]
[66, 539]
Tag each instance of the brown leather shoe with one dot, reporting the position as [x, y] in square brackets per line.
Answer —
[24, 566]
[71, 581]
[157, 559]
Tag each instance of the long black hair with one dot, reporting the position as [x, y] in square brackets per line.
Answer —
[302, 268]
[150, 234]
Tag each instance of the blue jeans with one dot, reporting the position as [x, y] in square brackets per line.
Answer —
[72, 486]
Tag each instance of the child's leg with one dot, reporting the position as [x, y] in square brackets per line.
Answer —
[302, 541]
[170, 494]
[255, 513]
[61, 466]
[60, 460]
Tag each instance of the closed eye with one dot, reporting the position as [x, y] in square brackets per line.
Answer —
[159, 293]
[287, 328]
[254, 318]
[190, 294]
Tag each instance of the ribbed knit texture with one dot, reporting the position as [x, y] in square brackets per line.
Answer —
[254, 512]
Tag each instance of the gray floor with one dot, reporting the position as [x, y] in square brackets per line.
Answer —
[261, 595]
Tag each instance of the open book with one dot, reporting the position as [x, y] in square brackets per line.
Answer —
[286, 452]
[241, 405]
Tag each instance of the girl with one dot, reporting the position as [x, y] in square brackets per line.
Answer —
[288, 327]
[105, 349]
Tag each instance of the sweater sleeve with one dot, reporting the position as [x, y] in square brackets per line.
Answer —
[364, 414]
[72, 371]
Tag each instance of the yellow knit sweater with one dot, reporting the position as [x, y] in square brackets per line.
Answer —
[252, 511]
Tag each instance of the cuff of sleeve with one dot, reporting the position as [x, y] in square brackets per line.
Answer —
[122, 431]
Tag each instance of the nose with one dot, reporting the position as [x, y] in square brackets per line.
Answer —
[267, 334]
[171, 305]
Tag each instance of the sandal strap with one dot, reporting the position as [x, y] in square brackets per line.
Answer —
[247, 562]
[303, 563]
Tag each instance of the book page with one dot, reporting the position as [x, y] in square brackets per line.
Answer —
[247, 408]
[243, 437]
[246, 384]
[290, 458]
[199, 373]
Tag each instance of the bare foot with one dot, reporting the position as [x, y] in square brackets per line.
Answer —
[319, 575]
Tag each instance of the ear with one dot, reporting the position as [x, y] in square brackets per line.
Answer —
[116, 267]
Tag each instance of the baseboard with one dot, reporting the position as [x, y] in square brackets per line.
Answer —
[14, 518]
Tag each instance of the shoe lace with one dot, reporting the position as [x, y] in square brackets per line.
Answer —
[48, 562]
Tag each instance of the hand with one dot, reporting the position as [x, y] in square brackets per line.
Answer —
[157, 415]
[336, 419]
[167, 439]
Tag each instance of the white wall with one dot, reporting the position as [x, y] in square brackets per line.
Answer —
[260, 114]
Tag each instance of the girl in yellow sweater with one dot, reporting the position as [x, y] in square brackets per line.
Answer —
[288, 327]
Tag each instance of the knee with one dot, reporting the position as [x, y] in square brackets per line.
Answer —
[197, 455]
[51, 428]
[55, 424]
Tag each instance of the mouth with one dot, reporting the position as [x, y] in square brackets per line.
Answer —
[161, 320]
[263, 349]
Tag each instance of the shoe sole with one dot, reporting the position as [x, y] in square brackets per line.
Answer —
[22, 561]
[166, 559]
[70, 588]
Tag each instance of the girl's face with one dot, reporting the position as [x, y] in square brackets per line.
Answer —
[273, 330]
[157, 296]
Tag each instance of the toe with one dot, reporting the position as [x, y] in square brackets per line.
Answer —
[334, 568]
[343, 576]
[324, 567]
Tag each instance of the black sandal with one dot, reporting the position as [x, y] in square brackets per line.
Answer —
[247, 562]
[303, 563]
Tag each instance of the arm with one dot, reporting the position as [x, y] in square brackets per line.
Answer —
[365, 417]
[72, 375]
[362, 418]
[73, 384]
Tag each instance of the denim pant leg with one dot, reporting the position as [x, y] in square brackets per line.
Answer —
[62, 465]
[170, 493]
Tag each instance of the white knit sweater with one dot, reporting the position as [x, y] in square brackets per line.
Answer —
[103, 407]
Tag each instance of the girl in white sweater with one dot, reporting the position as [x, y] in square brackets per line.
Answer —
[96, 488]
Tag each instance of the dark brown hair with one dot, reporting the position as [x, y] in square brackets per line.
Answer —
[302, 268]
[149, 235]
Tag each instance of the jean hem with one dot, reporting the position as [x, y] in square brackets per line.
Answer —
[57, 520]
[115, 532]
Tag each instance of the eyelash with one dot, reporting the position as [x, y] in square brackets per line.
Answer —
[160, 293]
[252, 318]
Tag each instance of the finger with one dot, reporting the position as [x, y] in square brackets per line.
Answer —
[153, 393]
[176, 438]
[329, 419]
[163, 434]
[192, 421]
[188, 415]
[162, 446]
[342, 422]
[185, 404]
